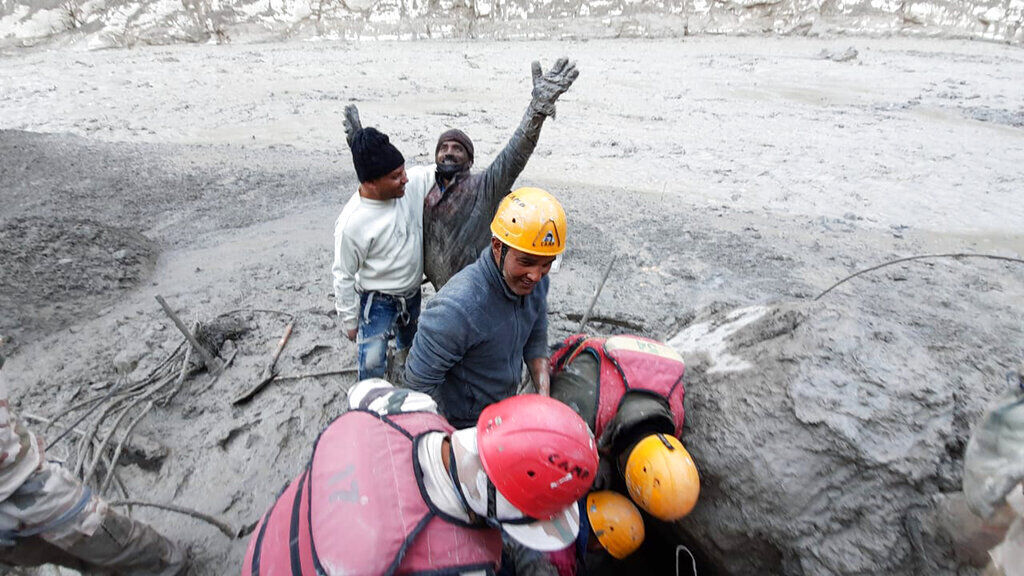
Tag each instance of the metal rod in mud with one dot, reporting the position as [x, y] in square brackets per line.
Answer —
[919, 257]
[593, 299]
[270, 372]
[212, 364]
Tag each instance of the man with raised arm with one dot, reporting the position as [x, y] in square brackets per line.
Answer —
[461, 203]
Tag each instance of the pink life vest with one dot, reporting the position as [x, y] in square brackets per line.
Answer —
[628, 363]
[370, 513]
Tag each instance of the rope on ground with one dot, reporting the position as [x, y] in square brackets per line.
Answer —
[692, 559]
[918, 257]
[224, 527]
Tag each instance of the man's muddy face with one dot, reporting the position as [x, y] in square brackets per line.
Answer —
[452, 153]
[390, 185]
[521, 271]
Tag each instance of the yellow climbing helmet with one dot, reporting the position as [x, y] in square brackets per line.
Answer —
[531, 220]
[616, 522]
[662, 478]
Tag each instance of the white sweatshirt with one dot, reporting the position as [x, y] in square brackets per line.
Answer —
[378, 245]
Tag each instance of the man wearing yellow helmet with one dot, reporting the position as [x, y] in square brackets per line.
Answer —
[611, 529]
[630, 391]
[615, 523]
[476, 333]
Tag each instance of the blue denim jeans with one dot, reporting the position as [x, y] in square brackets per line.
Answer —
[381, 318]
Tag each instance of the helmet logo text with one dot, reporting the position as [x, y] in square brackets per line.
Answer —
[548, 236]
[563, 464]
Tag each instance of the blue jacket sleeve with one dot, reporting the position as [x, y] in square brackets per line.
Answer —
[442, 338]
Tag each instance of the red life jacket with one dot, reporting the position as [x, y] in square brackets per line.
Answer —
[627, 363]
[565, 560]
[370, 513]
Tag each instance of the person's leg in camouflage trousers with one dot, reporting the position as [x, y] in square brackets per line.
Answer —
[54, 507]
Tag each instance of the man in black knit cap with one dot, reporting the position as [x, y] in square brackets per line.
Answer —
[378, 252]
[460, 204]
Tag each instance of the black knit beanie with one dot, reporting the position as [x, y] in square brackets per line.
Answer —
[458, 136]
[374, 155]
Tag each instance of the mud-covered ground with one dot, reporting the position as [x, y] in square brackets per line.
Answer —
[723, 173]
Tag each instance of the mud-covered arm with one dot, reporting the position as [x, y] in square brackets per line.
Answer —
[540, 372]
[509, 163]
[352, 123]
[441, 341]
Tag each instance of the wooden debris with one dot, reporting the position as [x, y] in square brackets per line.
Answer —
[270, 372]
[211, 361]
[227, 363]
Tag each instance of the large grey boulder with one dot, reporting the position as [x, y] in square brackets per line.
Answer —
[830, 436]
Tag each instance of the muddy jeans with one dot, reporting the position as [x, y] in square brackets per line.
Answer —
[59, 522]
[383, 317]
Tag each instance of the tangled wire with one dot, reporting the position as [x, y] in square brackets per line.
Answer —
[125, 403]
[106, 421]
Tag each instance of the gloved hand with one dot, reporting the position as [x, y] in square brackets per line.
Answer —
[352, 123]
[548, 87]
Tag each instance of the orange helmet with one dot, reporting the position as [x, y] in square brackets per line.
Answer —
[616, 522]
[662, 478]
[532, 221]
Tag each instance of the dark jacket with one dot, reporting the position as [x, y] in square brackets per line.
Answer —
[472, 340]
[457, 219]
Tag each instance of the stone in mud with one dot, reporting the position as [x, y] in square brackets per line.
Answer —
[822, 448]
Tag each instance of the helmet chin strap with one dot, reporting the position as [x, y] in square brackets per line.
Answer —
[665, 442]
[501, 258]
[453, 471]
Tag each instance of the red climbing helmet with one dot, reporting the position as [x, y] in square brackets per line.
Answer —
[539, 454]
